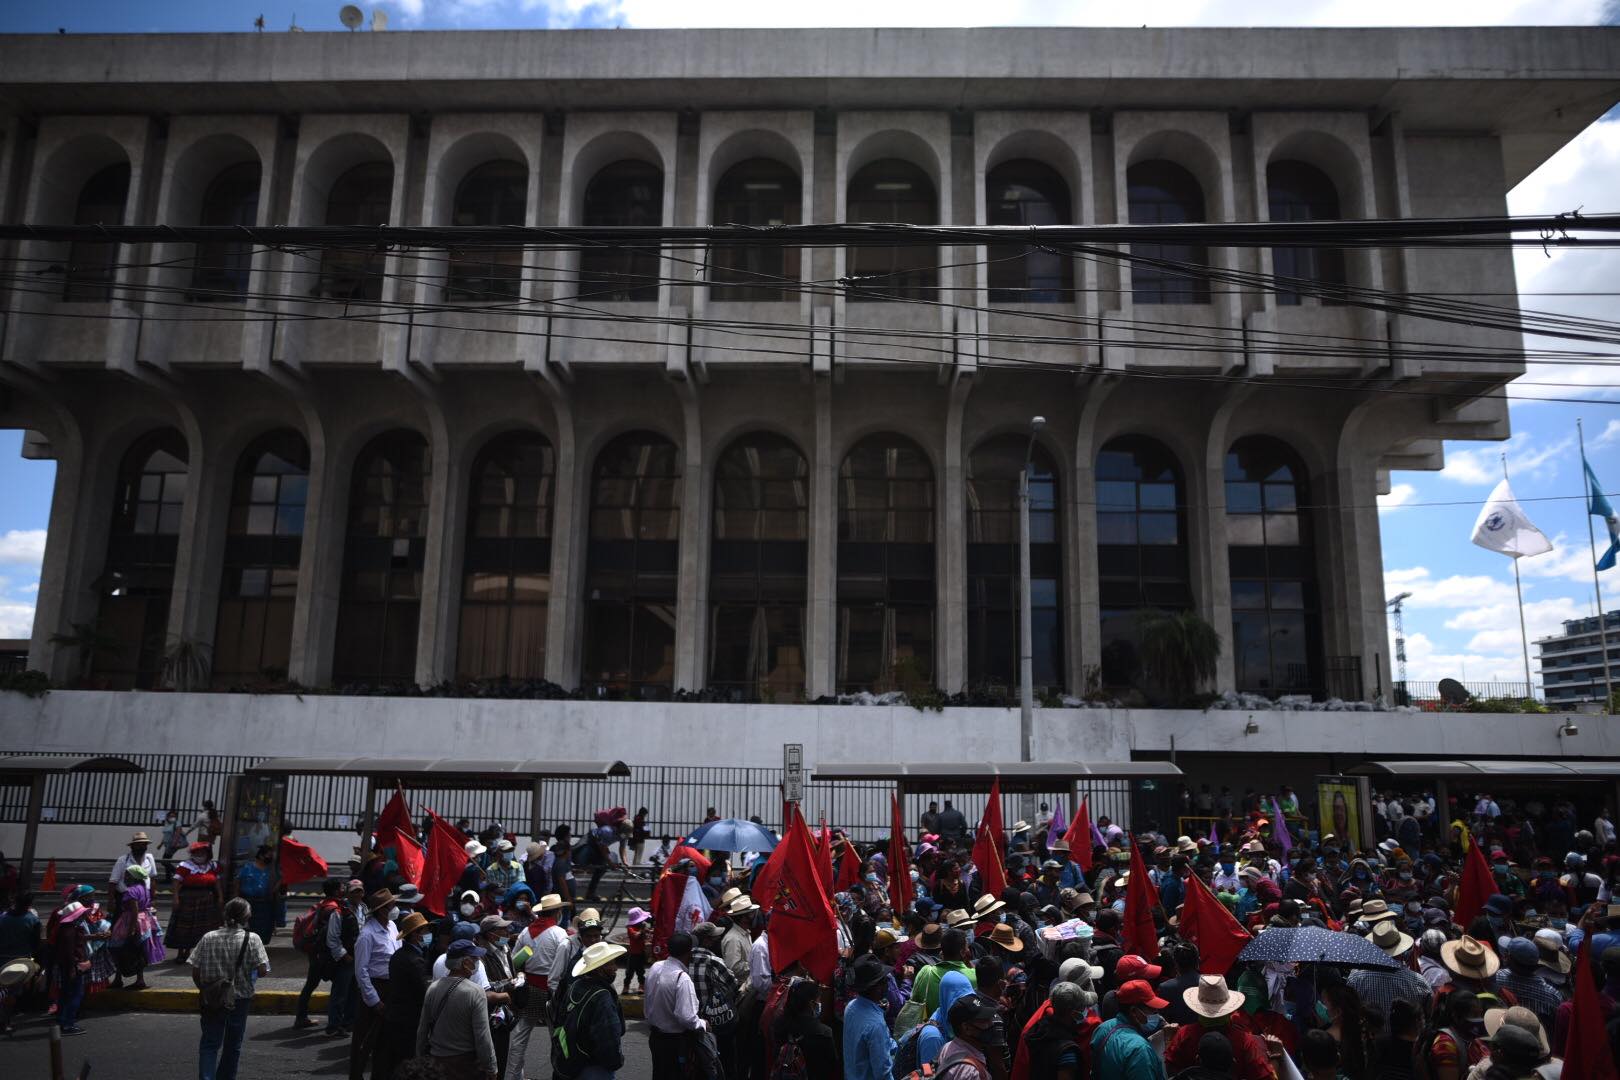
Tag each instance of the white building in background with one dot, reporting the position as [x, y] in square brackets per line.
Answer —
[1572, 663]
[777, 488]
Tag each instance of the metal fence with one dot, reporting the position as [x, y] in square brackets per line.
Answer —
[677, 798]
[1426, 695]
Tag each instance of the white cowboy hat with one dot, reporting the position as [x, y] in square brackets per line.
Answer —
[550, 902]
[596, 956]
[1211, 997]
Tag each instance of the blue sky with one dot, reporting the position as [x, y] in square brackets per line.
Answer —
[1461, 620]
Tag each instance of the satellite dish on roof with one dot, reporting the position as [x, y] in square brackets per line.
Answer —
[379, 20]
[1453, 692]
[351, 16]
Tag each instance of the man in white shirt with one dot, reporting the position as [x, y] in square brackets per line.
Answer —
[759, 965]
[1603, 828]
[136, 856]
[671, 1008]
[374, 947]
[540, 944]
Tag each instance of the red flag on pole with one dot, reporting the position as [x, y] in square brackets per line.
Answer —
[666, 906]
[47, 884]
[396, 838]
[299, 862]
[803, 926]
[765, 882]
[824, 858]
[1139, 935]
[987, 860]
[1206, 923]
[1079, 835]
[1476, 887]
[992, 816]
[901, 894]
[441, 869]
[1587, 1052]
[849, 866]
[687, 851]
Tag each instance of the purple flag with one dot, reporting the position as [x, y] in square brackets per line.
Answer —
[1214, 834]
[1097, 836]
[1279, 827]
[1054, 831]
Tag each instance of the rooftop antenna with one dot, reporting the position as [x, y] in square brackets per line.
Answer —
[351, 17]
[295, 28]
[379, 20]
[1400, 634]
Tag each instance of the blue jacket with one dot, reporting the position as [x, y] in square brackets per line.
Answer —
[1126, 1055]
[868, 1050]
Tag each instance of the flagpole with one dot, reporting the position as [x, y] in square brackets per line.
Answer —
[1597, 589]
[1518, 589]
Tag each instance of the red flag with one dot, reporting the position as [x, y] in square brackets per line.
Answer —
[803, 926]
[666, 906]
[1206, 923]
[1079, 835]
[396, 838]
[901, 894]
[992, 817]
[849, 866]
[299, 862]
[687, 851]
[1476, 887]
[1587, 1052]
[1139, 935]
[765, 882]
[987, 860]
[47, 884]
[824, 857]
[441, 869]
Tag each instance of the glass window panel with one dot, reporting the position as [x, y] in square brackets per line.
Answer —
[1244, 530]
[1249, 595]
[1116, 495]
[168, 523]
[1116, 528]
[261, 520]
[1282, 529]
[1287, 595]
[1158, 496]
[1157, 528]
[1242, 498]
[1280, 496]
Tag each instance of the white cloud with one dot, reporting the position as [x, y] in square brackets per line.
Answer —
[16, 619]
[1399, 495]
[1610, 434]
[1425, 663]
[1498, 624]
[1569, 560]
[23, 547]
[1456, 591]
[1482, 466]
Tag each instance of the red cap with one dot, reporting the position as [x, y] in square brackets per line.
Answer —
[1140, 992]
[1131, 966]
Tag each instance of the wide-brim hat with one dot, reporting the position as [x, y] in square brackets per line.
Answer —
[379, 900]
[1375, 909]
[868, 972]
[550, 902]
[1468, 958]
[1186, 845]
[1079, 970]
[470, 894]
[412, 923]
[958, 918]
[1253, 847]
[742, 904]
[139, 838]
[985, 906]
[1004, 938]
[71, 913]
[17, 972]
[1520, 1017]
[598, 955]
[408, 896]
[1251, 872]
[931, 937]
[1058, 845]
[885, 937]
[728, 896]
[1499, 904]
[634, 917]
[1387, 936]
[1019, 826]
[1212, 997]
[200, 845]
[1553, 955]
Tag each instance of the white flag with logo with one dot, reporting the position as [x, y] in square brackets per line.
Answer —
[1502, 526]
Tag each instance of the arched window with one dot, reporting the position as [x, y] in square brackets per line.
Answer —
[495, 193]
[1276, 632]
[253, 637]
[1164, 193]
[624, 193]
[892, 190]
[1296, 191]
[506, 583]
[758, 568]
[360, 198]
[220, 268]
[885, 565]
[992, 564]
[762, 192]
[139, 575]
[90, 265]
[382, 562]
[1026, 192]
[633, 565]
[1141, 547]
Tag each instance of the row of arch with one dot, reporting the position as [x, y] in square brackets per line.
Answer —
[758, 562]
[759, 191]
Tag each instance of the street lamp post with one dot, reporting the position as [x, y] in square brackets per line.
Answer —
[1026, 647]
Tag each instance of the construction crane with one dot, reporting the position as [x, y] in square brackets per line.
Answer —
[1400, 635]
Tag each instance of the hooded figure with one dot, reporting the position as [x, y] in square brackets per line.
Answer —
[934, 1037]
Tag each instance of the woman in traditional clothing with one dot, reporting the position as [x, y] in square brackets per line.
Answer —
[98, 932]
[199, 901]
[253, 884]
[137, 936]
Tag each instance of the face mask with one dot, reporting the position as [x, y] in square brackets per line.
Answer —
[1226, 867]
[393, 914]
[1406, 875]
[1322, 1016]
[468, 909]
[1361, 875]
[427, 940]
[1153, 1023]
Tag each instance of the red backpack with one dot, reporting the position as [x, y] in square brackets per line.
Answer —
[309, 931]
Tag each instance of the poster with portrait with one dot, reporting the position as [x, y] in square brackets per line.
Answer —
[1341, 804]
[259, 804]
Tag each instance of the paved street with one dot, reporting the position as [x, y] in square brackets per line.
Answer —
[163, 1046]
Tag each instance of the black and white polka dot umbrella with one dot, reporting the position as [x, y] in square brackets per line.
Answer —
[1315, 945]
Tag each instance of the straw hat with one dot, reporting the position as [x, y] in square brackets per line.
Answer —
[1211, 997]
[378, 900]
[598, 955]
[1520, 1017]
[741, 904]
[550, 902]
[1186, 845]
[1554, 956]
[1387, 936]
[1468, 958]
[139, 838]
[986, 906]
[412, 923]
[958, 918]
[1004, 937]
[886, 937]
[18, 972]
[1375, 909]
[1254, 847]
[931, 937]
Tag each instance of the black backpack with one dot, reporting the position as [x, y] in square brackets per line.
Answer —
[569, 1055]
[907, 1053]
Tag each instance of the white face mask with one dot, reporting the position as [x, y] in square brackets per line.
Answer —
[393, 914]
[468, 909]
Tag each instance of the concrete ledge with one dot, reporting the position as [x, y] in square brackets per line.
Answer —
[265, 1002]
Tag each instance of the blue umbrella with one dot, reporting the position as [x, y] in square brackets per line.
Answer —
[732, 834]
[1315, 945]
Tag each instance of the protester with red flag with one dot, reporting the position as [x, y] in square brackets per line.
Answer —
[396, 838]
[849, 866]
[987, 860]
[824, 858]
[992, 816]
[804, 928]
[1588, 1054]
[1139, 935]
[1476, 887]
[901, 893]
[443, 864]
[299, 863]
[1079, 835]
[1205, 922]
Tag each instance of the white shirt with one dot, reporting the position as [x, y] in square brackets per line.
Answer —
[759, 965]
[1604, 829]
[441, 969]
[377, 942]
[545, 948]
[671, 1001]
[124, 862]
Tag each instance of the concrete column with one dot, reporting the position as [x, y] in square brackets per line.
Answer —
[692, 592]
[436, 632]
[950, 545]
[821, 672]
[320, 559]
[1084, 624]
[569, 515]
[1353, 624]
[200, 559]
[1211, 570]
[75, 548]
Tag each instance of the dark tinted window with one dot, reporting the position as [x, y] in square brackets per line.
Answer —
[1026, 192]
[1164, 193]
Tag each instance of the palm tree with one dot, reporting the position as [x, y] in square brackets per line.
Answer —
[88, 640]
[1179, 649]
[187, 664]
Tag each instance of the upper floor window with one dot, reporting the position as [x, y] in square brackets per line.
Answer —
[759, 192]
[360, 198]
[895, 191]
[1296, 191]
[1164, 193]
[90, 264]
[1026, 192]
[495, 193]
[142, 547]
[625, 193]
[220, 268]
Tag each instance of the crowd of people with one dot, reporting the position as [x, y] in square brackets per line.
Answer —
[1022, 953]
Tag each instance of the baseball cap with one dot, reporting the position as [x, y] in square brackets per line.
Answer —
[1134, 992]
[1131, 966]
[974, 1008]
[459, 949]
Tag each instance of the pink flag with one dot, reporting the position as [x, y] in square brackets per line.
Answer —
[1054, 831]
[1279, 827]
[1097, 836]
[1214, 834]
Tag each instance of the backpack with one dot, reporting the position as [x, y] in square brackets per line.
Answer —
[568, 1054]
[309, 931]
[906, 1054]
[790, 1063]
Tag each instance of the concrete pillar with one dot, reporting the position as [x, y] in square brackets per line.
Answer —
[1353, 624]
[75, 548]
[1211, 570]
[200, 558]
[320, 559]
[692, 591]
[1084, 624]
[436, 632]
[569, 514]
[821, 673]
[950, 545]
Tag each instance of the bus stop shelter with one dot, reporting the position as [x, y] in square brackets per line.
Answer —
[1482, 774]
[33, 772]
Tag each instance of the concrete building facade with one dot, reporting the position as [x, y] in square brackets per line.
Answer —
[779, 474]
[1573, 667]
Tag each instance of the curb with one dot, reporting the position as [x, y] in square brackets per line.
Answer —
[265, 1002]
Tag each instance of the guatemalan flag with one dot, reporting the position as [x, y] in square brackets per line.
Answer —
[1598, 506]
